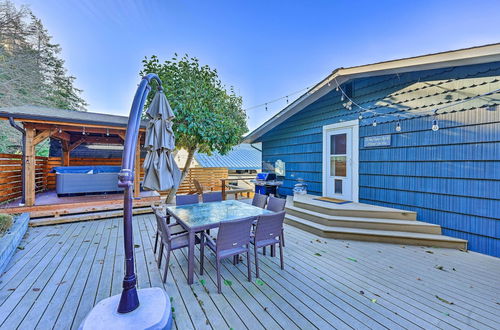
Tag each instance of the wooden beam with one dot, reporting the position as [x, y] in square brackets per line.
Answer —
[137, 169]
[29, 167]
[65, 153]
[102, 139]
[42, 136]
[73, 145]
[63, 136]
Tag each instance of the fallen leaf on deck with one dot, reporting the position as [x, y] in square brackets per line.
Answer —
[439, 267]
[62, 282]
[317, 254]
[11, 289]
[20, 247]
[419, 279]
[202, 281]
[259, 282]
[377, 295]
[265, 309]
[36, 289]
[429, 251]
[51, 235]
[352, 259]
[86, 241]
[374, 300]
[228, 282]
[136, 246]
[454, 269]
[444, 300]
[362, 292]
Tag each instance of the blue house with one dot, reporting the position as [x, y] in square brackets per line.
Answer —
[420, 134]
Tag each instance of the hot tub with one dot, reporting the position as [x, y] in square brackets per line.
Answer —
[86, 179]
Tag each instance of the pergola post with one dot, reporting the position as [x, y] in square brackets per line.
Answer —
[29, 166]
[65, 153]
[137, 169]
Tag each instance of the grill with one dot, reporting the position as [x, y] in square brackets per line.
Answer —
[266, 183]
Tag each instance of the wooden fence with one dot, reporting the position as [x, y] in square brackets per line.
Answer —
[11, 172]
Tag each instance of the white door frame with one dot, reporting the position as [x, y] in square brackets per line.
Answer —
[354, 125]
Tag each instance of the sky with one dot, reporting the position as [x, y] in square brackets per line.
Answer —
[265, 49]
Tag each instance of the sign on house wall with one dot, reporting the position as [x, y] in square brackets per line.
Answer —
[377, 141]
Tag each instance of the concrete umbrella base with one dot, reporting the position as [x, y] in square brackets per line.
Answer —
[154, 312]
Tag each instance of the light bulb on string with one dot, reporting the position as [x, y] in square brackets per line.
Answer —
[374, 124]
[360, 117]
[107, 131]
[342, 97]
[266, 106]
[83, 131]
[287, 99]
[398, 126]
[60, 131]
[435, 125]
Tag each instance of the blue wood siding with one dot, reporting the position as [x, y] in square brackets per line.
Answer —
[451, 177]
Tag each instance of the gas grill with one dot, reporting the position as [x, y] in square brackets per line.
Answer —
[266, 183]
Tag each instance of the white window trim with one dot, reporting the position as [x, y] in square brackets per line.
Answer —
[354, 124]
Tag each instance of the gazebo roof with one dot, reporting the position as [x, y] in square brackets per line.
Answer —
[31, 113]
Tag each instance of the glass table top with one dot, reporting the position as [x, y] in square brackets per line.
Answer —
[204, 214]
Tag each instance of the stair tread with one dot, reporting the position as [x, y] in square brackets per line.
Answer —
[374, 231]
[360, 219]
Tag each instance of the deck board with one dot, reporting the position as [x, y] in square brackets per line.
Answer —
[64, 270]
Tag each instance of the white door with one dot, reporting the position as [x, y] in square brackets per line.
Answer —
[338, 163]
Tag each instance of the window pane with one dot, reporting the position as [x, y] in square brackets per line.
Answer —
[338, 144]
[338, 186]
[338, 166]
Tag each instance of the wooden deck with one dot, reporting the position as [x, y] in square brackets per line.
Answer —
[48, 204]
[61, 271]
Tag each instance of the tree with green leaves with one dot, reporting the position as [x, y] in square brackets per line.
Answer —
[208, 117]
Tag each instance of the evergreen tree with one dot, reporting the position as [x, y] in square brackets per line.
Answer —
[31, 70]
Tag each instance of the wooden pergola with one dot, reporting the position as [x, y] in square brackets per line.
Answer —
[71, 128]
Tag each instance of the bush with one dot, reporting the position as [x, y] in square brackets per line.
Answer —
[5, 222]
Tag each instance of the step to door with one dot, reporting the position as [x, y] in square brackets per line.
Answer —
[350, 209]
[363, 223]
[381, 236]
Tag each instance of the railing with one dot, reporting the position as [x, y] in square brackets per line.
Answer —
[227, 189]
[11, 174]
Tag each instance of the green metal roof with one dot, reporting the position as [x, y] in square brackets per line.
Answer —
[241, 157]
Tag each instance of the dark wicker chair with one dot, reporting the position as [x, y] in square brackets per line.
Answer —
[186, 199]
[173, 227]
[215, 196]
[233, 239]
[276, 204]
[259, 200]
[268, 231]
[168, 240]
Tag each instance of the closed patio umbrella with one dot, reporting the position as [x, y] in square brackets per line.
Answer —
[161, 171]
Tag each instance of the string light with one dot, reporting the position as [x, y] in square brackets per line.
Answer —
[60, 131]
[398, 126]
[107, 131]
[266, 106]
[83, 131]
[374, 124]
[435, 125]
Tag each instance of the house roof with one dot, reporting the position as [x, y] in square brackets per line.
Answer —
[38, 113]
[241, 157]
[466, 56]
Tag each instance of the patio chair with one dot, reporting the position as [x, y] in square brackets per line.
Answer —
[215, 196]
[259, 200]
[175, 228]
[186, 199]
[168, 240]
[276, 205]
[200, 189]
[233, 239]
[268, 231]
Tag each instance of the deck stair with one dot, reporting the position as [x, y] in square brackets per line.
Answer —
[363, 222]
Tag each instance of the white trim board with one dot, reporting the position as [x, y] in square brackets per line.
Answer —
[354, 124]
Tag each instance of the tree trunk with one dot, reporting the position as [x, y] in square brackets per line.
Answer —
[189, 159]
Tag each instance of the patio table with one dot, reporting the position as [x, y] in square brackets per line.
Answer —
[203, 216]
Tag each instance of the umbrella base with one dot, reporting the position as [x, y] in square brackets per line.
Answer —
[154, 312]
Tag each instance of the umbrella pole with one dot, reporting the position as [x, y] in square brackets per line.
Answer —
[129, 299]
